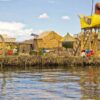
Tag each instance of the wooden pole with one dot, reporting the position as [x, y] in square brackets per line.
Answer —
[92, 7]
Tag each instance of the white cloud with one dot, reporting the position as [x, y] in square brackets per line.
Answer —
[43, 16]
[12, 26]
[17, 30]
[65, 18]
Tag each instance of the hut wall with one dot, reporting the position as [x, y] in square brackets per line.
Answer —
[49, 41]
[1, 45]
[8, 45]
[24, 48]
[38, 43]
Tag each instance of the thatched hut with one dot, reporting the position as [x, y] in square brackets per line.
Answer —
[8, 43]
[7, 39]
[25, 46]
[68, 41]
[47, 40]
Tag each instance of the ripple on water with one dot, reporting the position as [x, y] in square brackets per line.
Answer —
[48, 85]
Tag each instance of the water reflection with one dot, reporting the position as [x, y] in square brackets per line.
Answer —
[46, 83]
[91, 83]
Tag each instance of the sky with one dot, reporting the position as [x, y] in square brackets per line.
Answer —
[20, 18]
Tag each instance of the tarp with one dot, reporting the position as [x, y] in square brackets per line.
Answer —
[90, 21]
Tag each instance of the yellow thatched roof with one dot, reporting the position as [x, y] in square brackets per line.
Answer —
[68, 38]
[43, 34]
[27, 42]
[7, 38]
[46, 33]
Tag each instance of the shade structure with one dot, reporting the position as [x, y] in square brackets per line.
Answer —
[68, 41]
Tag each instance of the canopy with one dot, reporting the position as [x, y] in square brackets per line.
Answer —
[90, 21]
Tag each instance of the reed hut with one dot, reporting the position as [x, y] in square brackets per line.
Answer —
[26, 46]
[68, 41]
[47, 40]
[7, 39]
[8, 43]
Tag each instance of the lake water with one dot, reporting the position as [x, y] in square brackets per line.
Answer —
[50, 83]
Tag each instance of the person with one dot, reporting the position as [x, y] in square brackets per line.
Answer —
[14, 50]
[83, 54]
[43, 50]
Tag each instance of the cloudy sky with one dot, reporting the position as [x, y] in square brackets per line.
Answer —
[20, 18]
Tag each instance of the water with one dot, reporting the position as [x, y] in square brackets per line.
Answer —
[56, 83]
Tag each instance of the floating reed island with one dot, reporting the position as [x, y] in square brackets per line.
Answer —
[49, 61]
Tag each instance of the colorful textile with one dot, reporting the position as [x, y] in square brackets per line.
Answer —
[10, 52]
